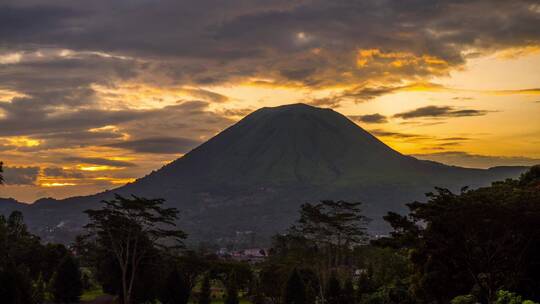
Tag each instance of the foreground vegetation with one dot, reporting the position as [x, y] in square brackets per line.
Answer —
[476, 246]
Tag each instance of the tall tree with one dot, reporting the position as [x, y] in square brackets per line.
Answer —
[191, 265]
[51, 256]
[23, 261]
[205, 296]
[338, 224]
[231, 296]
[1, 171]
[295, 290]
[256, 292]
[348, 293]
[230, 271]
[15, 285]
[334, 228]
[333, 290]
[129, 229]
[175, 289]
[381, 268]
[67, 283]
[18, 246]
[271, 279]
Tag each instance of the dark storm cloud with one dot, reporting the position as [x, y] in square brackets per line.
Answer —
[99, 161]
[311, 42]
[439, 111]
[369, 118]
[15, 21]
[163, 145]
[21, 175]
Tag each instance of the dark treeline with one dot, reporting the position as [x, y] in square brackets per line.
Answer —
[476, 246]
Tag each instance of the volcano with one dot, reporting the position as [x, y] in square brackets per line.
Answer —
[251, 178]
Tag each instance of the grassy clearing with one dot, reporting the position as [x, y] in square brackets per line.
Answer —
[90, 295]
[218, 297]
[221, 301]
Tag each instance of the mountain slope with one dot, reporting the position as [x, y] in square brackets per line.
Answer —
[255, 174]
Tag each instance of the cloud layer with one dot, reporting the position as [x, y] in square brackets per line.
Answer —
[96, 84]
[369, 118]
[21, 175]
[439, 111]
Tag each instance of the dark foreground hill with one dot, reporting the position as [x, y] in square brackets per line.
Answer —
[254, 175]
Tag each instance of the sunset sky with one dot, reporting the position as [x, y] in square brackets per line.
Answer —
[94, 94]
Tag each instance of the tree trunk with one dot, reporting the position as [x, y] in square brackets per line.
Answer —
[125, 293]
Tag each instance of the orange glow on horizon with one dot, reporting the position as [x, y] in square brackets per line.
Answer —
[96, 168]
[57, 184]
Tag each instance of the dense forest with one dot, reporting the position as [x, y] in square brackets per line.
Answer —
[476, 246]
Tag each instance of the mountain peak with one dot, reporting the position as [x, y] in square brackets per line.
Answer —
[294, 109]
[295, 143]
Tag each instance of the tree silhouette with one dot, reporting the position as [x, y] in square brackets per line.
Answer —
[256, 292]
[15, 285]
[191, 266]
[271, 281]
[1, 171]
[205, 296]
[67, 284]
[333, 228]
[348, 293]
[129, 229]
[25, 264]
[175, 289]
[486, 238]
[333, 290]
[231, 296]
[295, 290]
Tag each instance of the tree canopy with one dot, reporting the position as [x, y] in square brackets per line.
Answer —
[477, 241]
[67, 285]
[129, 230]
[26, 265]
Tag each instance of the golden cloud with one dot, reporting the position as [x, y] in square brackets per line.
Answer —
[366, 57]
